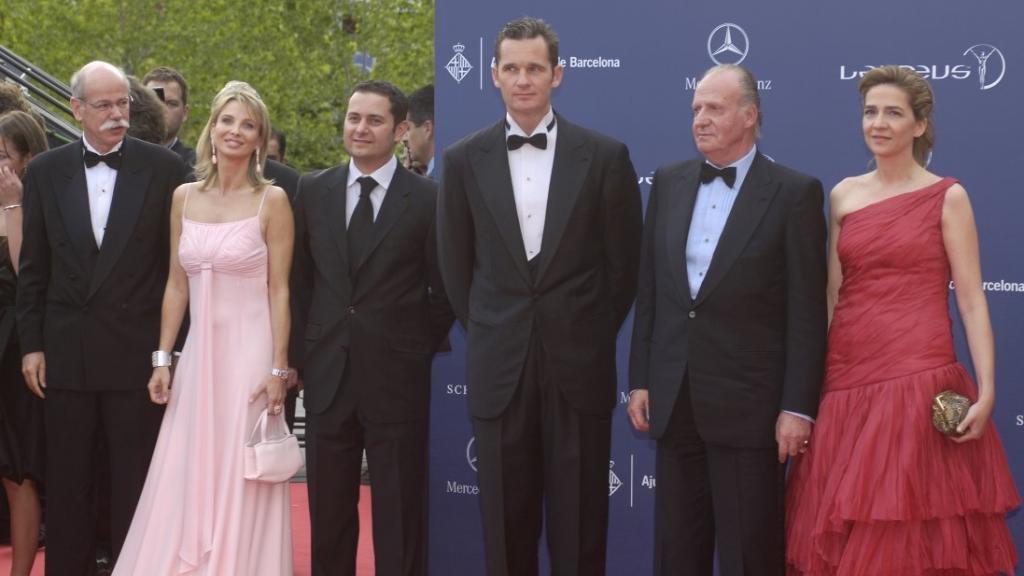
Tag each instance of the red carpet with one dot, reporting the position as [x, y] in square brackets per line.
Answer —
[300, 536]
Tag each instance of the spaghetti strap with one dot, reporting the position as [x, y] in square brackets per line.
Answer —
[184, 206]
[262, 200]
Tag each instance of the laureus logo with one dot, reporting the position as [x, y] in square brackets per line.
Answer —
[991, 64]
[728, 44]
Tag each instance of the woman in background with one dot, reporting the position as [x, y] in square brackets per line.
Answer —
[21, 412]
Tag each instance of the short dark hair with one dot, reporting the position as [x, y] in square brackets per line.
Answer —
[526, 28]
[146, 115]
[168, 74]
[399, 103]
[282, 140]
[421, 105]
[11, 98]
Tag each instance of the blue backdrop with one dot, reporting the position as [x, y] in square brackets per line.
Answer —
[630, 70]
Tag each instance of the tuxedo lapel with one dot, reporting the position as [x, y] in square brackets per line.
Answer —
[334, 192]
[490, 167]
[130, 191]
[680, 198]
[395, 201]
[568, 172]
[71, 194]
[751, 203]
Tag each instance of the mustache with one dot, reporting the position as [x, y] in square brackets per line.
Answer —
[112, 124]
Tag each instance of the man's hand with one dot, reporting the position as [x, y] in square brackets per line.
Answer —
[639, 410]
[793, 434]
[33, 368]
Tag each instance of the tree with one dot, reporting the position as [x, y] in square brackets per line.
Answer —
[299, 54]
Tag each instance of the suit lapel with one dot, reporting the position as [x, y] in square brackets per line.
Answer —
[395, 201]
[568, 172]
[751, 203]
[71, 194]
[130, 190]
[680, 199]
[335, 193]
[490, 166]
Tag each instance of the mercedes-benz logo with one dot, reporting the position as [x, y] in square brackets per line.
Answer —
[471, 454]
[728, 44]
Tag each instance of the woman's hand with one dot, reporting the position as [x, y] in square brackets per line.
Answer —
[276, 389]
[10, 187]
[974, 423]
[160, 385]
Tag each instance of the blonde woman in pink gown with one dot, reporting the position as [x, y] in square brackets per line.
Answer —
[231, 246]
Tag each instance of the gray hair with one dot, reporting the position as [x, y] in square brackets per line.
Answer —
[78, 78]
[748, 88]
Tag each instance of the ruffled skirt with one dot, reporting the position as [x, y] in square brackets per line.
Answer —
[881, 492]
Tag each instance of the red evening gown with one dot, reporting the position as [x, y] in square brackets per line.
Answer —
[880, 491]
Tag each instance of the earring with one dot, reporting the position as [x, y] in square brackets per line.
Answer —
[259, 168]
[213, 152]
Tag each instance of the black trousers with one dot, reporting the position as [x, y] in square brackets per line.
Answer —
[709, 493]
[396, 453]
[540, 462]
[75, 423]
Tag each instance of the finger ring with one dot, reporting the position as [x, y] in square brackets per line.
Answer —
[807, 443]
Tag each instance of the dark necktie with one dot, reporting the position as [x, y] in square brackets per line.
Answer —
[360, 226]
[708, 173]
[113, 159]
[538, 141]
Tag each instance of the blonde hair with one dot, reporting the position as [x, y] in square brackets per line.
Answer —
[234, 91]
[918, 92]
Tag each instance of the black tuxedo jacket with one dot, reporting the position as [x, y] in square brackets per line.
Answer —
[188, 155]
[382, 324]
[584, 283]
[95, 312]
[753, 340]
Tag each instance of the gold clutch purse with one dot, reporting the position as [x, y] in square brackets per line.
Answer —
[948, 410]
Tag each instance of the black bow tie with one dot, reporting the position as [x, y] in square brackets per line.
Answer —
[708, 173]
[113, 159]
[538, 141]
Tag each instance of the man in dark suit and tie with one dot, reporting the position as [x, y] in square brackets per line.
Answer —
[366, 259]
[539, 224]
[729, 337]
[93, 269]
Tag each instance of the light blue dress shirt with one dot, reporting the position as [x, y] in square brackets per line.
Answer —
[710, 213]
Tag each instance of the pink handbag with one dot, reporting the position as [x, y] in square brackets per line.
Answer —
[272, 459]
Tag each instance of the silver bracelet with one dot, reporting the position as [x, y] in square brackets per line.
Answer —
[282, 373]
[161, 359]
[11, 207]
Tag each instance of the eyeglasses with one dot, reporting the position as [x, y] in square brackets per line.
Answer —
[104, 106]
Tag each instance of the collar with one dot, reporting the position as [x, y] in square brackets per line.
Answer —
[742, 165]
[546, 124]
[382, 175]
[90, 148]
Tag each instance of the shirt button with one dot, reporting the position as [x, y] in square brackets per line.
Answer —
[700, 273]
[713, 206]
[692, 314]
[707, 240]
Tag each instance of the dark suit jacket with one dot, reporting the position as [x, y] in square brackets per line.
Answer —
[283, 176]
[384, 323]
[188, 155]
[96, 312]
[753, 341]
[585, 280]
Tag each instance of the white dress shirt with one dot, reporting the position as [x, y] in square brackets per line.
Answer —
[382, 175]
[100, 181]
[530, 169]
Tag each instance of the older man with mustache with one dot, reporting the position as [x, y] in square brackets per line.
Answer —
[93, 267]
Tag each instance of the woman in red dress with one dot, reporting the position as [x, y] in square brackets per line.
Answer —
[880, 491]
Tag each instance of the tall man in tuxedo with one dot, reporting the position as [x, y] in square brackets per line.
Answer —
[539, 224]
[366, 257]
[93, 269]
[729, 336]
